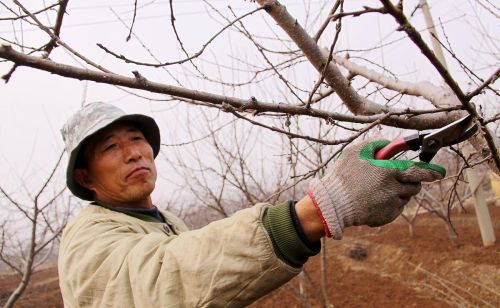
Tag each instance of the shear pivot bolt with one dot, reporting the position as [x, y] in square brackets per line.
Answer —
[432, 144]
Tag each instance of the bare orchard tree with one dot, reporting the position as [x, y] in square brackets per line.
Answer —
[442, 197]
[226, 169]
[351, 87]
[312, 76]
[30, 231]
[410, 214]
[228, 165]
[277, 69]
[449, 194]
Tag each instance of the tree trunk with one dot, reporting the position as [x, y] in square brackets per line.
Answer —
[411, 228]
[302, 293]
[324, 275]
[452, 234]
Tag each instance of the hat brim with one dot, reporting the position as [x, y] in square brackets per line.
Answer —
[146, 124]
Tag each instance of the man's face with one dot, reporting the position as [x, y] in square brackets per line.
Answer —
[120, 166]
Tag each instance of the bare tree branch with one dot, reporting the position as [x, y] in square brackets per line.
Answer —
[49, 178]
[58, 40]
[328, 60]
[327, 21]
[438, 96]
[189, 58]
[423, 121]
[18, 17]
[486, 83]
[365, 10]
[16, 204]
[133, 22]
[414, 35]
[354, 102]
[492, 119]
[57, 27]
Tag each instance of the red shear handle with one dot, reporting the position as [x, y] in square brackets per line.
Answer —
[393, 148]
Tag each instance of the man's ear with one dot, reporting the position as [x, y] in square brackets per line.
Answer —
[82, 177]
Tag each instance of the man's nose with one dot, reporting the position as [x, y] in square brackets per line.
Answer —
[132, 153]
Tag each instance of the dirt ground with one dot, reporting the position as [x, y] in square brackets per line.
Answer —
[370, 267]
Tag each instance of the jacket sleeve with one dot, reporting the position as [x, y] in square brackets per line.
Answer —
[108, 261]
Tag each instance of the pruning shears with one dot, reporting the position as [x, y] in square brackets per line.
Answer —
[430, 143]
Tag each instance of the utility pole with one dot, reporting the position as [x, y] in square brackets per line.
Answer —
[475, 180]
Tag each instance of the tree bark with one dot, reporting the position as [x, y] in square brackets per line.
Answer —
[401, 118]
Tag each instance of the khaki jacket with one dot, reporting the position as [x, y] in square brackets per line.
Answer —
[111, 259]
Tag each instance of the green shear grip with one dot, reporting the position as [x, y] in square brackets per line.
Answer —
[368, 152]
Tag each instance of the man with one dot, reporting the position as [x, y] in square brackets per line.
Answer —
[121, 251]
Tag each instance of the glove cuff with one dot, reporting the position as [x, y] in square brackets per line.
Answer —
[335, 206]
[320, 213]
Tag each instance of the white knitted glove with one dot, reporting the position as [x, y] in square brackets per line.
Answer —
[360, 190]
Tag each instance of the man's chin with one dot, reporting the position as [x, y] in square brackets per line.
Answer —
[139, 191]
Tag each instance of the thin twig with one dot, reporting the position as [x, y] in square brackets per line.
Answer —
[189, 58]
[59, 41]
[57, 28]
[26, 15]
[327, 21]
[133, 22]
[328, 60]
[486, 83]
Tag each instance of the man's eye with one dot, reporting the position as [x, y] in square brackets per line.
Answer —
[137, 138]
[109, 147]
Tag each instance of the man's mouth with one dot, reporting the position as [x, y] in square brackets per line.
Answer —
[137, 171]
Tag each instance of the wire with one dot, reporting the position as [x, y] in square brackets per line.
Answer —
[128, 4]
[103, 22]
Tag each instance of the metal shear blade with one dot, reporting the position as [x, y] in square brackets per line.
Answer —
[451, 134]
[430, 143]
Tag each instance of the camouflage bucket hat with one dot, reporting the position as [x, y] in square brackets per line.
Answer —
[91, 119]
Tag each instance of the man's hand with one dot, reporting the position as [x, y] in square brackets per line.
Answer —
[360, 190]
